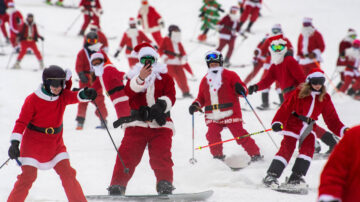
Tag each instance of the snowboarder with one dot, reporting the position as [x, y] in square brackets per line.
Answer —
[295, 119]
[4, 17]
[39, 129]
[219, 93]
[310, 46]
[88, 79]
[102, 38]
[209, 14]
[151, 95]
[15, 22]
[252, 7]
[92, 11]
[174, 56]
[151, 21]
[131, 38]
[28, 37]
[229, 28]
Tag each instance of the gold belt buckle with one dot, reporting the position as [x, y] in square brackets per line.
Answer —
[216, 107]
[52, 131]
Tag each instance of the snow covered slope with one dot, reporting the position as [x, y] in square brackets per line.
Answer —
[91, 151]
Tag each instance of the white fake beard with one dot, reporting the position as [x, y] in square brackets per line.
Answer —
[353, 53]
[176, 37]
[98, 69]
[214, 78]
[10, 10]
[277, 57]
[132, 32]
[95, 47]
[234, 17]
[144, 9]
[307, 31]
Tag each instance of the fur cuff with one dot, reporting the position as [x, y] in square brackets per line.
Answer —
[135, 86]
[80, 99]
[16, 136]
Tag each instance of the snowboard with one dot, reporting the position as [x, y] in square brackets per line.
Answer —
[199, 196]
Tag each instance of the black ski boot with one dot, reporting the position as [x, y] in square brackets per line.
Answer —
[164, 187]
[80, 123]
[187, 95]
[295, 178]
[116, 190]
[265, 102]
[271, 180]
[338, 86]
[329, 139]
[221, 158]
[351, 92]
[249, 27]
[255, 158]
[102, 125]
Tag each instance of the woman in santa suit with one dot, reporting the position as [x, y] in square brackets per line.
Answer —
[295, 119]
[39, 128]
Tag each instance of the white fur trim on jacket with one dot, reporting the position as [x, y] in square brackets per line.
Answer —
[135, 86]
[291, 134]
[80, 99]
[16, 136]
[43, 96]
[281, 159]
[328, 198]
[152, 124]
[44, 166]
[342, 130]
[225, 36]
[307, 158]
[168, 102]
[120, 99]
[218, 115]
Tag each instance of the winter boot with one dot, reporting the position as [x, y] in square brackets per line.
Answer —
[102, 125]
[255, 158]
[41, 63]
[220, 157]
[295, 178]
[59, 3]
[202, 37]
[329, 139]
[350, 92]
[81, 33]
[116, 190]
[271, 180]
[17, 65]
[80, 123]
[164, 187]
[187, 95]
[249, 27]
[227, 62]
[338, 86]
[265, 100]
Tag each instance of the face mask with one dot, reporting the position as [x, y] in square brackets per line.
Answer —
[176, 36]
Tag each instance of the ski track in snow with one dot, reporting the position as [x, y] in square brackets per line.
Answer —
[91, 151]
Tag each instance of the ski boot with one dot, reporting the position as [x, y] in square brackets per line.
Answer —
[263, 107]
[116, 190]
[17, 65]
[317, 147]
[255, 158]
[351, 92]
[187, 95]
[294, 184]
[80, 123]
[271, 180]
[81, 33]
[220, 157]
[164, 187]
[248, 29]
[202, 37]
[41, 64]
[102, 125]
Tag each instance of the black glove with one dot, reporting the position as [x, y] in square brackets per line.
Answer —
[14, 151]
[193, 108]
[276, 127]
[253, 89]
[157, 112]
[240, 89]
[90, 93]
[144, 113]
[312, 55]
[42, 38]
[116, 54]
[83, 78]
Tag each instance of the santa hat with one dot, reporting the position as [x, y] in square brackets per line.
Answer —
[97, 55]
[144, 2]
[132, 21]
[351, 32]
[307, 20]
[144, 49]
[277, 39]
[276, 26]
[234, 8]
[11, 4]
[315, 73]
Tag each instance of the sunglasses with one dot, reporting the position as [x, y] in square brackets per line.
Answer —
[147, 58]
[212, 56]
[56, 82]
[307, 24]
[317, 81]
[278, 47]
[92, 41]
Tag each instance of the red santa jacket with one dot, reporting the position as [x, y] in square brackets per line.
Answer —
[224, 95]
[314, 43]
[15, 21]
[253, 3]
[150, 19]
[131, 39]
[29, 32]
[340, 177]
[169, 51]
[309, 106]
[344, 44]
[289, 74]
[352, 62]
[91, 7]
[265, 52]
[228, 27]
[38, 149]
[103, 40]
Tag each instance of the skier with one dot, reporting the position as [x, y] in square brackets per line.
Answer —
[295, 119]
[151, 21]
[4, 17]
[15, 22]
[92, 11]
[310, 46]
[39, 128]
[28, 37]
[111, 81]
[131, 38]
[229, 27]
[88, 79]
[219, 93]
[252, 7]
[209, 16]
[151, 95]
[341, 62]
[174, 56]
[339, 180]
[57, 3]
[102, 38]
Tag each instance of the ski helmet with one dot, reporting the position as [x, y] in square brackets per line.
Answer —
[53, 76]
[91, 38]
[173, 28]
[214, 56]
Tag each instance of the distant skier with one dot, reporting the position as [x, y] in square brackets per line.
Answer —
[102, 38]
[209, 15]
[15, 23]
[57, 3]
[4, 17]
[219, 93]
[252, 7]
[39, 129]
[92, 11]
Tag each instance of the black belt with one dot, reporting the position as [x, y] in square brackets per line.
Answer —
[218, 106]
[288, 89]
[305, 119]
[116, 89]
[135, 116]
[49, 130]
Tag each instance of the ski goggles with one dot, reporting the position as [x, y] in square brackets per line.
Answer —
[276, 30]
[307, 24]
[147, 58]
[91, 41]
[212, 57]
[353, 36]
[56, 82]
[277, 48]
[317, 81]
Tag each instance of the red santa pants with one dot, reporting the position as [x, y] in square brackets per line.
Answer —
[230, 44]
[213, 135]
[177, 73]
[157, 37]
[308, 67]
[132, 62]
[14, 42]
[131, 150]
[249, 10]
[3, 19]
[88, 19]
[67, 175]
[24, 45]
[252, 74]
[349, 77]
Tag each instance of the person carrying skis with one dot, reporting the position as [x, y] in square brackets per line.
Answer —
[295, 119]
[39, 129]
[92, 11]
[151, 95]
[219, 93]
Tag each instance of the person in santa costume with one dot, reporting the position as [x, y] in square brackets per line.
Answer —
[174, 56]
[294, 120]
[340, 180]
[151, 93]
[57, 3]
[111, 81]
[92, 11]
[252, 8]
[28, 37]
[4, 17]
[88, 79]
[131, 38]
[310, 46]
[219, 93]
[151, 21]
[39, 129]
[15, 23]
[102, 37]
[229, 27]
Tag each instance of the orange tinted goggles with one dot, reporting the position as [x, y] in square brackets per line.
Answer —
[92, 41]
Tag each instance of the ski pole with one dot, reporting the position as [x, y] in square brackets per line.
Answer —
[10, 57]
[72, 24]
[258, 118]
[236, 138]
[193, 160]
[5, 163]
[126, 170]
